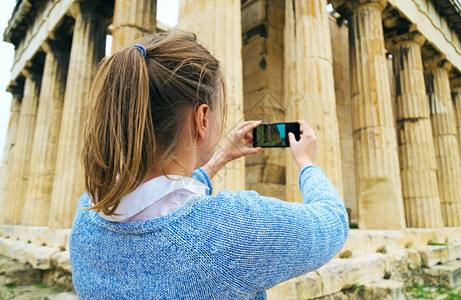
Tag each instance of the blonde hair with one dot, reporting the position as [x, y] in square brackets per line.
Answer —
[137, 108]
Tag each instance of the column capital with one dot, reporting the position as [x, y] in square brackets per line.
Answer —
[31, 70]
[84, 7]
[455, 83]
[347, 7]
[55, 46]
[15, 88]
[410, 37]
[437, 61]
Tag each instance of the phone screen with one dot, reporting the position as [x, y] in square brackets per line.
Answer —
[274, 134]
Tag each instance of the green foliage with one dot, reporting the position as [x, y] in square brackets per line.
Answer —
[428, 292]
[423, 265]
[353, 226]
[431, 243]
[453, 296]
[40, 286]
[357, 286]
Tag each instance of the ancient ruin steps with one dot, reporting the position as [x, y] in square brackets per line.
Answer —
[407, 272]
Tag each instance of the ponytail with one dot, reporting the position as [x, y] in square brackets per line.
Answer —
[120, 124]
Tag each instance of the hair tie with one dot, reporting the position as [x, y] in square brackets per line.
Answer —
[141, 49]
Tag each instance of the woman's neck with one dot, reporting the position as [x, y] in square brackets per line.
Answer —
[179, 166]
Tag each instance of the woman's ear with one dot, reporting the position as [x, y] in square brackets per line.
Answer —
[201, 119]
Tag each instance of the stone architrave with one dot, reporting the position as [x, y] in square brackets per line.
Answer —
[132, 20]
[379, 190]
[217, 26]
[8, 154]
[22, 151]
[445, 142]
[87, 49]
[418, 165]
[45, 143]
[309, 87]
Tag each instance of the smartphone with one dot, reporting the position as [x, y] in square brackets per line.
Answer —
[269, 135]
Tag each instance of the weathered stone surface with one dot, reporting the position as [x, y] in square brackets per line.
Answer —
[23, 146]
[454, 252]
[404, 266]
[37, 235]
[61, 260]
[8, 154]
[341, 72]
[217, 24]
[340, 274]
[432, 255]
[58, 279]
[284, 291]
[37, 256]
[309, 87]
[451, 272]
[63, 296]
[416, 145]
[446, 144]
[309, 286]
[379, 191]
[45, 144]
[87, 49]
[262, 56]
[132, 19]
[456, 94]
[18, 273]
[383, 290]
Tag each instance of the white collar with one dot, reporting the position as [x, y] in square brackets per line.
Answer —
[150, 192]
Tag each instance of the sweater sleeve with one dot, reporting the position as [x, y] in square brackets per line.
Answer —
[264, 241]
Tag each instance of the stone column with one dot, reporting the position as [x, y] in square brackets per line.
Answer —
[22, 151]
[379, 191]
[45, 143]
[309, 87]
[416, 151]
[217, 25]
[87, 49]
[8, 154]
[456, 95]
[262, 55]
[445, 141]
[132, 19]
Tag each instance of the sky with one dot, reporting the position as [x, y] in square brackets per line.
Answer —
[167, 13]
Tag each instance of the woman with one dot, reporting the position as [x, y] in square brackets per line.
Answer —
[148, 226]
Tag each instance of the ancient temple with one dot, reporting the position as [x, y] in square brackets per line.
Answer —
[378, 80]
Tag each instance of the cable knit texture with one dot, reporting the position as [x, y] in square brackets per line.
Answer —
[228, 246]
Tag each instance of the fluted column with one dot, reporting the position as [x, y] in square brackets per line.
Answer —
[309, 87]
[379, 191]
[8, 154]
[132, 19]
[217, 25]
[22, 151]
[87, 49]
[45, 143]
[446, 143]
[456, 94]
[416, 145]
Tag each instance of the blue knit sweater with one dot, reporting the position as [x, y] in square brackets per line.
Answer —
[228, 246]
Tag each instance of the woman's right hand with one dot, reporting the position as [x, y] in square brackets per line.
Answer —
[305, 150]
